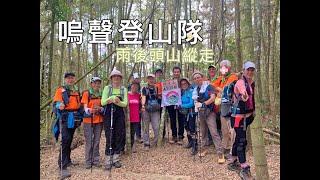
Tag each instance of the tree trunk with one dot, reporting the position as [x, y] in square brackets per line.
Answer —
[271, 61]
[258, 30]
[237, 33]
[63, 46]
[258, 148]
[53, 14]
[246, 30]
[223, 31]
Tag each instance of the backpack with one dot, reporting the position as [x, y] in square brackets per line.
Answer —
[58, 113]
[65, 97]
[121, 92]
[152, 105]
[227, 99]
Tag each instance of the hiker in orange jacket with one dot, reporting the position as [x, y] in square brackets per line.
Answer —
[92, 122]
[222, 81]
[67, 102]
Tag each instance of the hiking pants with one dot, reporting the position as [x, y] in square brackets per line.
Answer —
[92, 136]
[208, 118]
[173, 122]
[190, 123]
[154, 118]
[118, 133]
[67, 137]
[240, 143]
[226, 134]
[133, 129]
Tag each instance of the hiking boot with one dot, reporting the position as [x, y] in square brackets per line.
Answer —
[180, 142]
[72, 164]
[117, 164]
[189, 145]
[221, 159]
[245, 173]
[234, 166]
[108, 167]
[146, 147]
[96, 165]
[194, 149]
[173, 140]
[227, 154]
[65, 174]
[88, 166]
[139, 140]
[203, 153]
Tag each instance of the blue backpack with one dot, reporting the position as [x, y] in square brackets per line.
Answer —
[227, 99]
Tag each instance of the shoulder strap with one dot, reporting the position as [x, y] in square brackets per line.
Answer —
[110, 90]
[89, 95]
[122, 92]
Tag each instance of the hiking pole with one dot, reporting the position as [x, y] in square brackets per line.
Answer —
[177, 119]
[60, 124]
[91, 141]
[200, 135]
[110, 140]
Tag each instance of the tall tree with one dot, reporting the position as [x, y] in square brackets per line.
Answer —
[258, 34]
[238, 35]
[53, 15]
[271, 60]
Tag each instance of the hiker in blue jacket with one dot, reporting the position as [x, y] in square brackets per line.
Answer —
[187, 111]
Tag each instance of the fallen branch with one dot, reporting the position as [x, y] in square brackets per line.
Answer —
[50, 100]
[271, 132]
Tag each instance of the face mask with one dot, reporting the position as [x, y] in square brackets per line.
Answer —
[224, 70]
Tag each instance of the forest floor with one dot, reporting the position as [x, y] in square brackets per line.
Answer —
[171, 162]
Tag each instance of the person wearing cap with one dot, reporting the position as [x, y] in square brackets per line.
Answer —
[114, 96]
[150, 111]
[92, 122]
[187, 111]
[242, 116]
[204, 96]
[226, 77]
[212, 77]
[67, 102]
[177, 135]
[212, 72]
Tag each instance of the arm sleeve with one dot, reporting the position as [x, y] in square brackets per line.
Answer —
[104, 97]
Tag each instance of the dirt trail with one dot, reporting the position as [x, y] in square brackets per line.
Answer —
[168, 162]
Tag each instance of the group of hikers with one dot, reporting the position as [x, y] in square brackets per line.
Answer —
[216, 110]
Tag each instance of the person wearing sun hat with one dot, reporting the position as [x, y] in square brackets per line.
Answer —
[114, 96]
